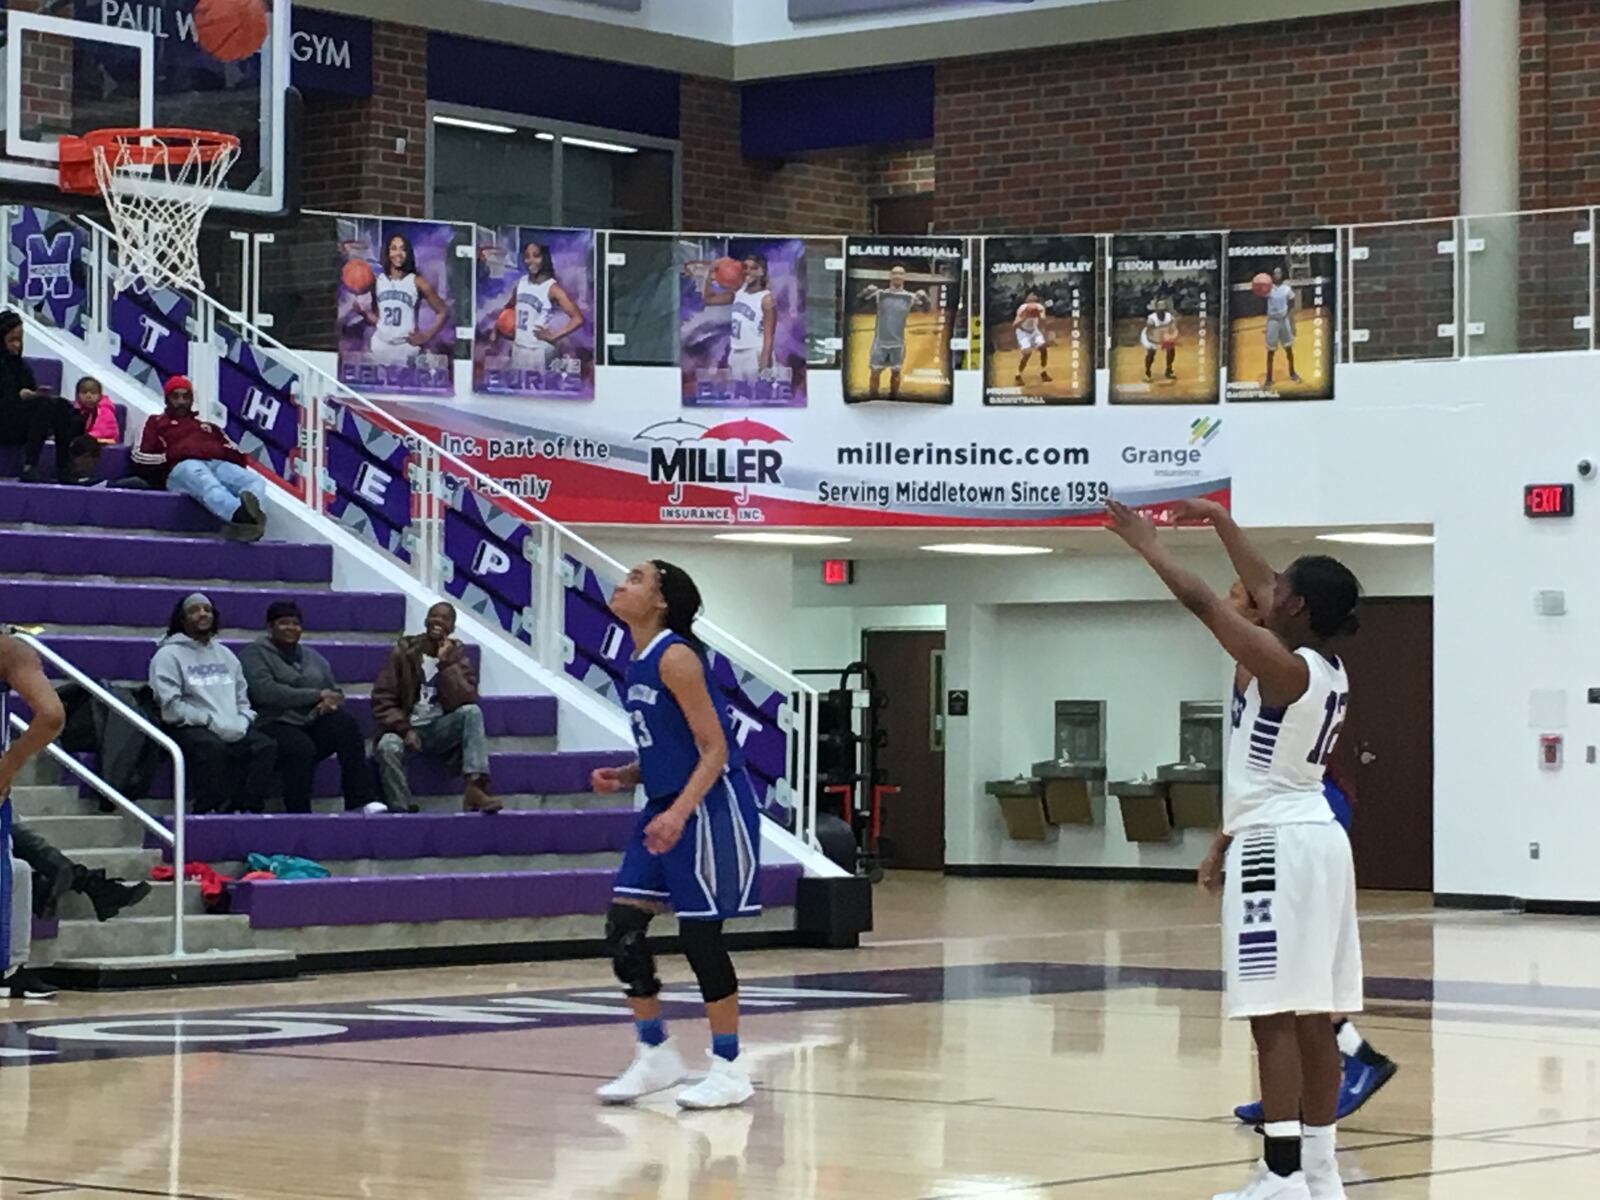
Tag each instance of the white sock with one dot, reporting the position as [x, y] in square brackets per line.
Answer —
[1281, 1129]
[1323, 1138]
[1349, 1040]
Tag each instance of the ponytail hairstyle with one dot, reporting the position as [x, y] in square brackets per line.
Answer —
[683, 602]
[1330, 591]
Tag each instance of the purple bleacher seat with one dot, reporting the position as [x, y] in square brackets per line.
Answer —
[46, 372]
[58, 553]
[146, 606]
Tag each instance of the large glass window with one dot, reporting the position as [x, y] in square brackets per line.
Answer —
[496, 169]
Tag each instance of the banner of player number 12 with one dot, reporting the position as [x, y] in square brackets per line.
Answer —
[902, 297]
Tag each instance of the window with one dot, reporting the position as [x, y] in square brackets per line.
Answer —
[497, 169]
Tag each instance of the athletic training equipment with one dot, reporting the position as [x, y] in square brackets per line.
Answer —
[1261, 285]
[158, 185]
[230, 30]
[357, 275]
[631, 959]
[728, 272]
[506, 322]
[725, 1086]
[654, 1069]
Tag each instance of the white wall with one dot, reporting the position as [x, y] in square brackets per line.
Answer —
[831, 636]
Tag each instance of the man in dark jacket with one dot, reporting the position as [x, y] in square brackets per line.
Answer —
[300, 706]
[182, 453]
[425, 700]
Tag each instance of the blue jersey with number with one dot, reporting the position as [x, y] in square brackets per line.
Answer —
[667, 753]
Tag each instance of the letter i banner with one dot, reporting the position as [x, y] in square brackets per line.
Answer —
[257, 394]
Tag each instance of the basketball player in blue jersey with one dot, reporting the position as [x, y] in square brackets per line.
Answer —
[21, 672]
[543, 311]
[754, 319]
[393, 312]
[696, 847]
[1291, 943]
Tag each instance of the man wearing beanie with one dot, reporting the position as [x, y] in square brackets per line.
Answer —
[182, 453]
[300, 706]
[200, 687]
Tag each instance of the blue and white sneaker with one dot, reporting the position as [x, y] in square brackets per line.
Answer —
[1363, 1079]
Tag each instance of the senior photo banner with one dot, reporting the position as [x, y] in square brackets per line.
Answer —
[1282, 314]
[535, 319]
[742, 322]
[395, 306]
[1039, 320]
[1166, 318]
[901, 301]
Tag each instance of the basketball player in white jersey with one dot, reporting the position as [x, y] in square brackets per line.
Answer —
[895, 304]
[1280, 325]
[544, 312]
[393, 311]
[1291, 945]
[1160, 332]
[753, 321]
[1028, 325]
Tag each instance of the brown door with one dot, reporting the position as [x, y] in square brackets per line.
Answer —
[1386, 748]
[908, 670]
[910, 215]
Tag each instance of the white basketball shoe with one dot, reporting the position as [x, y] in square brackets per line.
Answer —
[724, 1086]
[654, 1069]
[1267, 1186]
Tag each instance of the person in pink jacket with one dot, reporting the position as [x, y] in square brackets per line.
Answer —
[98, 413]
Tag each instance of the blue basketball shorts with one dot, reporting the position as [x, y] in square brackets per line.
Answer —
[1339, 802]
[712, 872]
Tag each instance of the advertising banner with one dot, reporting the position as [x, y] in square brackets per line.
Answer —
[1039, 312]
[150, 329]
[742, 323]
[901, 301]
[257, 394]
[1282, 314]
[1166, 318]
[396, 331]
[535, 313]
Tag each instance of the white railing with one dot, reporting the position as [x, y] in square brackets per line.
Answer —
[321, 394]
[173, 837]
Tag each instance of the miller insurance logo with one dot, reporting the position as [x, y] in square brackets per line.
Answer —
[740, 454]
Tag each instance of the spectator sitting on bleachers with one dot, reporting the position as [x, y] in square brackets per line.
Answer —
[205, 705]
[300, 706]
[425, 700]
[55, 875]
[96, 411]
[27, 415]
[184, 454]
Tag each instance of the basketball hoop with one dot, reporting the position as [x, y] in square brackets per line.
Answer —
[158, 185]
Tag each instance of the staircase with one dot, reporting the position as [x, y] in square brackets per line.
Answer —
[101, 570]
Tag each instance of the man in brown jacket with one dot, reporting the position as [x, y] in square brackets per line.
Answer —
[425, 700]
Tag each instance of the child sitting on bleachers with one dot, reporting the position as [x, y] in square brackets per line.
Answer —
[98, 412]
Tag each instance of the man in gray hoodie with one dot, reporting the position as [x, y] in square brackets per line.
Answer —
[201, 689]
[300, 706]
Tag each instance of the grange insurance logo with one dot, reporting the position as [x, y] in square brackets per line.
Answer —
[1204, 430]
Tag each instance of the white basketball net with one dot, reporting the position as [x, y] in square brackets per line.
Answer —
[157, 190]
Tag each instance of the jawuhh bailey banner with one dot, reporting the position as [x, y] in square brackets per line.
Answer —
[839, 466]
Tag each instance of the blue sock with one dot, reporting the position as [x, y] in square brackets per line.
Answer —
[725, 1045]
[652, 1033]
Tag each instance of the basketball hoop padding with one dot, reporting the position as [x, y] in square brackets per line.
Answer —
[158, 184]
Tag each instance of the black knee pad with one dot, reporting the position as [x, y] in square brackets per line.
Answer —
[631, 959]
[708, 958]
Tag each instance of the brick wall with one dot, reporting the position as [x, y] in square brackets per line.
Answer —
[1349, 118]
[1560, 103]
[350, 164]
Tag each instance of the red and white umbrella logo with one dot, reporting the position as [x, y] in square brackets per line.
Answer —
[744, 430]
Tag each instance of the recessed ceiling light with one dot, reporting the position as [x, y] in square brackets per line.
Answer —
[589, 143]
[986, 549]
[1378, 537]
[480, 126]
[783, 539]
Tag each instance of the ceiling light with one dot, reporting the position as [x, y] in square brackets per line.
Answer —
[590, 143]
[987, 549]
[783, 539]
[480, 126]
[1378, 537]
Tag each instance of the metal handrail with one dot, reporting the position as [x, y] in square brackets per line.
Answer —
[808, 700]
[156, 734]
[100, 785]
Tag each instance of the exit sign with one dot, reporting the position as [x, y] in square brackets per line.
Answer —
[836, 572]
[1547, 500]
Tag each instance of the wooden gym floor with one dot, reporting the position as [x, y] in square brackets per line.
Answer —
[1022, 1040]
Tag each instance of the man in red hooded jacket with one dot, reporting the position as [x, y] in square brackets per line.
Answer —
[184, 454]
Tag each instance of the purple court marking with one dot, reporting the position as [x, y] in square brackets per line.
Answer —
[70, 1039]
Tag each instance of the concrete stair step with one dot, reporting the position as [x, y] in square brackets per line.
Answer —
[51, 800]
[129, 863]
[142, 936]
[88, 833]
[95, 973]
[76, 907]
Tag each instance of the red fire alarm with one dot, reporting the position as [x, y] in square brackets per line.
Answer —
[837, 572]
